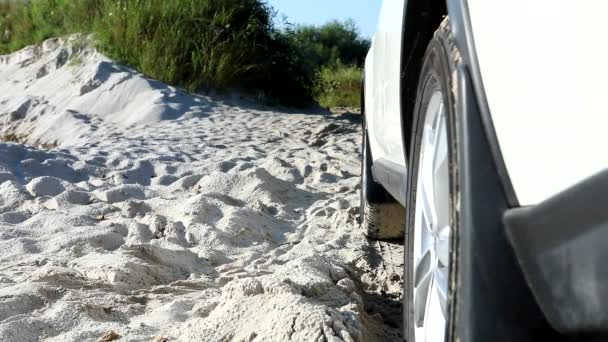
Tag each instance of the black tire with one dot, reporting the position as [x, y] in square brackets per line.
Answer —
[488, 299]
[381, 216]
[436, 75]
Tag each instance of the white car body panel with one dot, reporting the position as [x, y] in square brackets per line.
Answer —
[382, 91]
[544, 66]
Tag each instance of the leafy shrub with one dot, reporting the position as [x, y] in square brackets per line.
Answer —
[339, 86]
[335, 54]
[330, 44]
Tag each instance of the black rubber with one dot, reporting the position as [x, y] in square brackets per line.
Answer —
[488, 298]
[491, 299]
[561, 247]
[435, 76]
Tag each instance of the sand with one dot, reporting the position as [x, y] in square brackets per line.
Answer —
[133, 211]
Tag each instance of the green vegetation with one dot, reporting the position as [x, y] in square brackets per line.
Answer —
[204, 44]
[334, 53]
[329, 45]
[339, 86]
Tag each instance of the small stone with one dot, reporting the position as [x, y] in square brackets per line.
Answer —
[109, 336]
[347, 285]
[307, 170]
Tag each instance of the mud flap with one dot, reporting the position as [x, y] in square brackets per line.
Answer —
[561, 245]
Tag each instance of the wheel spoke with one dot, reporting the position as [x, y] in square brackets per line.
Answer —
[422, 268]
[438, 125]
[427, 183]
[442, 246]
[426, 206]
[441, 286]
[440, 142]
[441, 175]
[434, 322]
[421, 295]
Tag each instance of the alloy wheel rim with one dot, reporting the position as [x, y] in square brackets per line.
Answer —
[432, 227]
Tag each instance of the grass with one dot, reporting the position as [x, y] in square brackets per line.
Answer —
[204, 44]
[339, 86]
[195, 44]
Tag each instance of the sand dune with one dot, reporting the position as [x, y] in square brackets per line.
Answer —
[152, 213]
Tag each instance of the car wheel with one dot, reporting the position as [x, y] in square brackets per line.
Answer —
[381, 216]
[432, 192]
[462, 281]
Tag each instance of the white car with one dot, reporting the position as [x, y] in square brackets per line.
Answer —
[485, 144]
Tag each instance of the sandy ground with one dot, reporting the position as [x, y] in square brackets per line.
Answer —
[137, 212]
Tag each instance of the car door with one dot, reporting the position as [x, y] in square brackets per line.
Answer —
[382, 93]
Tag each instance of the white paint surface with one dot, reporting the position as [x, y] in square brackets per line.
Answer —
[544, 66]
[383, 81]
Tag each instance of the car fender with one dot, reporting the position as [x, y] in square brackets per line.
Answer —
[543, 69]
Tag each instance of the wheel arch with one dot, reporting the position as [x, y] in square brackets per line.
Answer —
[421, 19]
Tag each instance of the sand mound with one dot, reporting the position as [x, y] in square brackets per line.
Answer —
[62, 91]
[169, 215]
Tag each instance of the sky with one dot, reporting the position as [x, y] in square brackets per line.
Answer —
[317, 12]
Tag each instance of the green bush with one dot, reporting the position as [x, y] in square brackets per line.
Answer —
[339, 86]
[196, 44]
[330, 44]
[335, 54]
